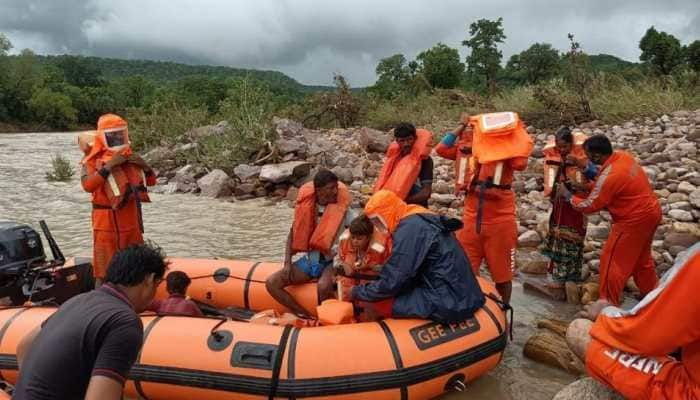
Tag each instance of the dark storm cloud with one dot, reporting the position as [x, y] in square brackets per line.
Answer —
[312, 39]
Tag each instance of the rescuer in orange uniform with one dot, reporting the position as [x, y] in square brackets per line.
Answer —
[117, 179]
[621, 187]
[629, 350]
[490, 228]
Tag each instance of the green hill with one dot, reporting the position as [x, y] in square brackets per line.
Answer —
[611, 64]
[165, 72]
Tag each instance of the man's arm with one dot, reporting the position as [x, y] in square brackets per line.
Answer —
[407, 255]
[603, 191]
[115, 358]
[426, 179]
[25, 344]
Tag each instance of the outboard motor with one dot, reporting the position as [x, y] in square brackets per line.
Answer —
[27, 275]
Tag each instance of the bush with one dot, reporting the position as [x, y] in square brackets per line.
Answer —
[163, 124]
[53, 109]
[62, 171]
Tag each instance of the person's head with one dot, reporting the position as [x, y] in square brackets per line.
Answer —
[598, 149]
[405, 136]
[361, 230]
[564, 141]
[177, 282]
[326, 187]
[114, 132]
[385, 209]
[137, 269]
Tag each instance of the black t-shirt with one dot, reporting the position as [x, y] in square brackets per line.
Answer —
[96, 333]
[425, 178]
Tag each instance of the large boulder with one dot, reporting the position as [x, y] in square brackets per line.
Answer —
[587, 389]
[694, 198]
[288, 146]
[373, 141]
[529, 239]
[244, 190]
[344, 174]
[680, 239]
[215, 184]
[208, 130]
[246, 172]
[531, 262]
[284, 172]
[287, 128]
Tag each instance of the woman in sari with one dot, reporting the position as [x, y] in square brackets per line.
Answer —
[567, 227]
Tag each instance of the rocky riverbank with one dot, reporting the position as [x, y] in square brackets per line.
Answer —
[666, 146]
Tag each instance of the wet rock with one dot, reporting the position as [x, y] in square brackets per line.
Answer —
[373, 141]
[443, 199]
[284, 172]
[694, 198]
[598, 232]
[344, 174]
[548, 345]
[292, 194]
[590, 292]
[539, 286]
[681, 215]
[184, 179]
[573, 293]
[168, 188]
[244, 189]
[587, 389]
[531, 262]
[287, 128]
[215, 184]
[246, 172]
[529, 239]
[287, 146]
[685, 187]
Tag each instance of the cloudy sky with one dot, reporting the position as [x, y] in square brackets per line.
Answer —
[312, 39]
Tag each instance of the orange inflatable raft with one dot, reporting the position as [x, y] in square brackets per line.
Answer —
[186, 358]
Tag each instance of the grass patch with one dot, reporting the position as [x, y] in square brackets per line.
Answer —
[61, 170]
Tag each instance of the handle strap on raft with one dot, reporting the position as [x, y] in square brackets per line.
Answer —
[217, 336]
[505, 307]
[277, 366]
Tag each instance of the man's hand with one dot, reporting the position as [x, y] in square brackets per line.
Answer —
[592, 310]
[562, 191]
[578, 162]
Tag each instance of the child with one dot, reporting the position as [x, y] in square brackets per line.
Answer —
[177, 304]
[362, 251]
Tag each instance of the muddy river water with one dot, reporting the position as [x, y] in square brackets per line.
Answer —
[192, 226]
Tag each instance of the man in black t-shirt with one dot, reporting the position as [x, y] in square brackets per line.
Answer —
[87, 347]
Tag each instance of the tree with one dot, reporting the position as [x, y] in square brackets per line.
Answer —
[661, 50]
[538, 63]
[80, 71]
[692, 55]
[393, 76]
[579, 75]
[485, 58]
[5, 45]
[53, 109]
[441, 66]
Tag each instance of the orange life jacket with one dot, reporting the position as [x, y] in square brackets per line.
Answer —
[123, 181]
[306, 236]
[399, 174]
[553, 162]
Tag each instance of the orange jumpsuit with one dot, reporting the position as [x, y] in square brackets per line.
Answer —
[112, 229]
[498, 237]
[623, 189]
[629, 350]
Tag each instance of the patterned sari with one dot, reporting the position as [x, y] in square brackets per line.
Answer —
[564, 242]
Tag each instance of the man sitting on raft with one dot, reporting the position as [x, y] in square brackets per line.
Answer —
[428, 275]
[629, 350]
[177, 303]
[321, 212]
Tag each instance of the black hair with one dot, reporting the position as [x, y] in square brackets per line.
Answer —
[564, 134]
[323, 177]
[598, 144]
[404, 129]
[130, 266]
[177, 282]
[361, 226]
